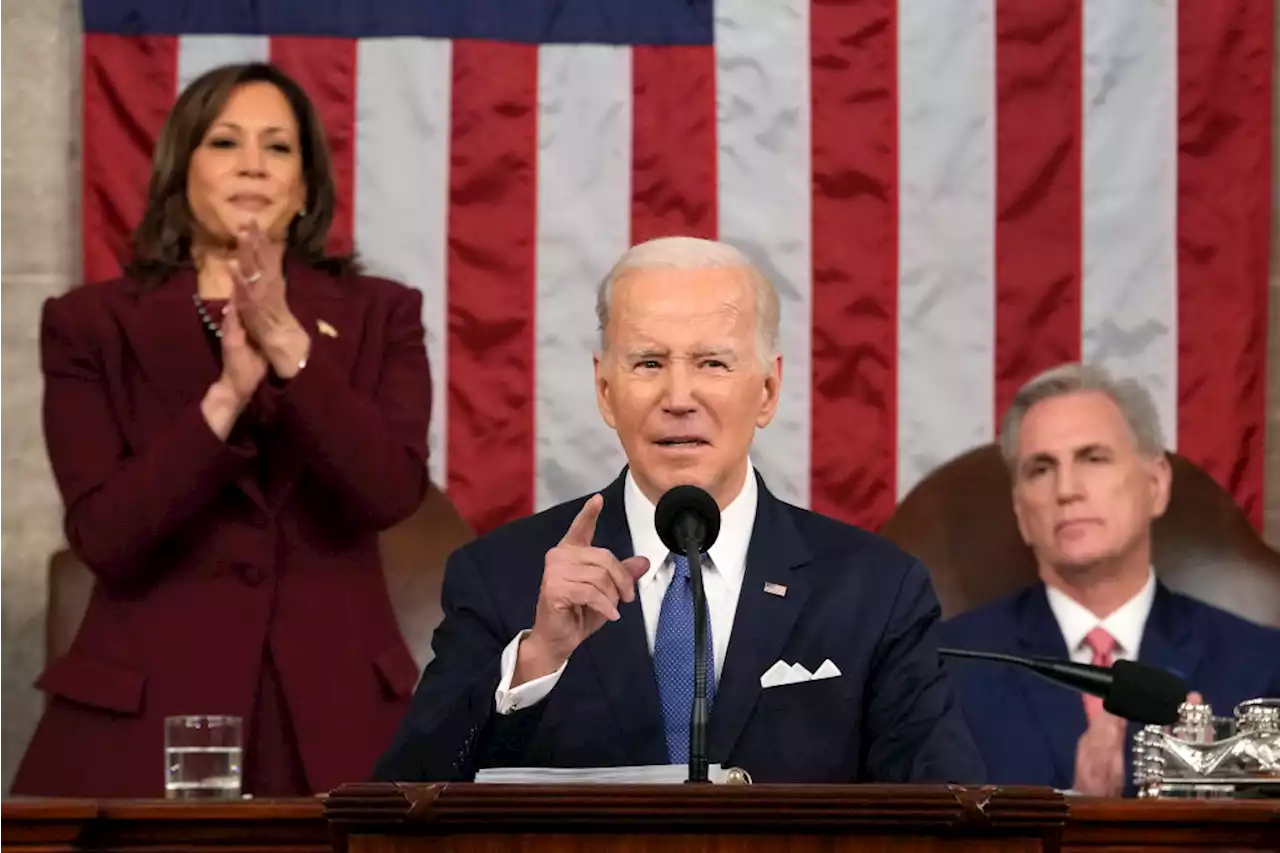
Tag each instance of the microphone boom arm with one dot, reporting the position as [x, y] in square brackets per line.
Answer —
[1129, 689]
[1086, 678]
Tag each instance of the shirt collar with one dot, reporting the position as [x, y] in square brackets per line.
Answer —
[728, 553]
[1125, 624]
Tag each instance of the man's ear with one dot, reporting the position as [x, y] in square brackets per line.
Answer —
[604, 401]
[770, 393]
[1017, 513]
[1161, 473]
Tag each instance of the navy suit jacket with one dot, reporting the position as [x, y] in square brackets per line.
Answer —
[1027, 727]
[893, 715]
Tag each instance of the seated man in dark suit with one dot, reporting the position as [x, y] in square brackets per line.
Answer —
[567, 636]
[1089, 475]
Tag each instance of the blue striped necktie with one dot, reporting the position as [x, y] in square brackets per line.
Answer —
[673, 660]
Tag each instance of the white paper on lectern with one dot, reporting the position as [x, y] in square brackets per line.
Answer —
[652, 774]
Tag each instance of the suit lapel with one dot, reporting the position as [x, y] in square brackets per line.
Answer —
[315, 299]
[177, 357]
[168, 340]
[619, 651]
[1167, 641]
[762, 622]
[1059, 710]
[174, 354]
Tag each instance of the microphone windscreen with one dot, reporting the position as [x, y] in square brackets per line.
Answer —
[1145, 694]
[681, 501]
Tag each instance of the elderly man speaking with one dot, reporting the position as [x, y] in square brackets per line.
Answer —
[567, 639]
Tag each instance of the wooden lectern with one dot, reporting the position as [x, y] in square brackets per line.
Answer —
[399, 818]
[723, 819]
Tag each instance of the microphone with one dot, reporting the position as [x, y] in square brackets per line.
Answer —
[688, 521]
[1128, 689]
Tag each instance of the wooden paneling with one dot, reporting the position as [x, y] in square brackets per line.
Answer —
[644, 819]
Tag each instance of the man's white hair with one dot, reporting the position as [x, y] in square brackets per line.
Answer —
[1133, 400]
[687, 253]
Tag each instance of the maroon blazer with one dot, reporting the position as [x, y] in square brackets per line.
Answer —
[207, 551]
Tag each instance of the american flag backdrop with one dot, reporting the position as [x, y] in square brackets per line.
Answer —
[950, 196]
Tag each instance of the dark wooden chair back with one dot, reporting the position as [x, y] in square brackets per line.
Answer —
[959, 522]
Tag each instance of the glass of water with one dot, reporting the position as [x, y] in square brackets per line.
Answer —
[202, 757]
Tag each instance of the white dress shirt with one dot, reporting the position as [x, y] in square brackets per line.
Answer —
[722, 576]
[1125, 624]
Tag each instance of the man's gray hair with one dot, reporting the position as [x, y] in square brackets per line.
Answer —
[1135, 404]
[687, 253]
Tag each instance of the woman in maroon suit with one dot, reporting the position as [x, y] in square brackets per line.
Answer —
[230, 424]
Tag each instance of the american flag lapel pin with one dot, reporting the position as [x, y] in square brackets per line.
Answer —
[776, 589]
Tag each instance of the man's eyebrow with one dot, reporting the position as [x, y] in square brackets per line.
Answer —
[1093, 447]
[645, 352]
[639, 353]
[1083, 450]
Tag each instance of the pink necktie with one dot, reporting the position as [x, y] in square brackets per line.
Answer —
[1103, 645]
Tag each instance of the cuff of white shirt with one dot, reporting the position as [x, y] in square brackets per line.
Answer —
[507, 698]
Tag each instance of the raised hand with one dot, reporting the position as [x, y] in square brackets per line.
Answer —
[1100, 757]
[243, 369]
[581, 588]
[259, 295]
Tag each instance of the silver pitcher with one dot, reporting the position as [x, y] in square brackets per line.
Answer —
[1203, 756]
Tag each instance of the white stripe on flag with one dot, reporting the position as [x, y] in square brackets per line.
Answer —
[946, 294]
[764, 203]
[198, 54]
[584, 225]
[1129, 284]
[403, 91]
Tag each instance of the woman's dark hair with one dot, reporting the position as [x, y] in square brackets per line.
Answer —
[162, 240]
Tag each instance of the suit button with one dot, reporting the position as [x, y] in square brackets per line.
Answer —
[252, 575]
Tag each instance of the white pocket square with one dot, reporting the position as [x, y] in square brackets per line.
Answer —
[782, 673]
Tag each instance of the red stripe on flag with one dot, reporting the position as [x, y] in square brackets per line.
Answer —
[855, 259]
[673, 163]
[130, 83]
[1038, 190]
[1225, 50]
[492, 239]
[326, 68]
